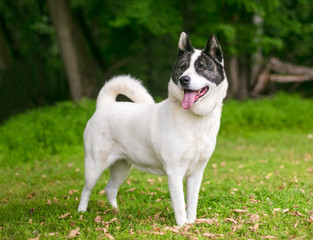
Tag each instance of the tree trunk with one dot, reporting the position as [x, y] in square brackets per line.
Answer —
[243, 78]
[5, 56]
[81, 69]
[233, 77]
[257, 57]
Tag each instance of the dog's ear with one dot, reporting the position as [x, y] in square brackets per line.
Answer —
[184, 44]
[214, 49]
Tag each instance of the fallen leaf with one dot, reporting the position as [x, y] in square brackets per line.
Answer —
[54, 234]
[109, 236]
[64, 215]
[212, 235]
[296, 213]
[102, 229]
[98, 219]
[276, 210]
[203, 220]
[254, 218]
[254, 228]
[73, 233]
[285, 210]
[151, 181]
[156, 216]
[48, 202]
[71, 192]
[254, 201]
[269, 237]
[240, 210]
[112, 220]
[231, 220]
[235, 228]
[131, 190]
[102, 192]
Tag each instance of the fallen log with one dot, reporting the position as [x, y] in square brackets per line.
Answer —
[282, 72]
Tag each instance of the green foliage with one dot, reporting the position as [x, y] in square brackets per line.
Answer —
[38, 134]
[275, 113]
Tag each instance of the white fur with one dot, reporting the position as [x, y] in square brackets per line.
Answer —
[159, 138]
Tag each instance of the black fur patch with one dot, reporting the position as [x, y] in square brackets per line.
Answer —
[209, 68]
[181, 64]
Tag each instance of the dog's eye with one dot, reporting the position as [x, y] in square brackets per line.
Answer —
[183, 67]
[201, 66]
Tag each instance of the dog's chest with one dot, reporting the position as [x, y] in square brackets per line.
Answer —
[198, 151]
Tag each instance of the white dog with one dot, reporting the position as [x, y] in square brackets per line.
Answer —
[175, 138]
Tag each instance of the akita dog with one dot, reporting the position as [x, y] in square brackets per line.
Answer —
[175, 137]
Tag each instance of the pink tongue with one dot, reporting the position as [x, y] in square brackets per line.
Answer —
[188, 99]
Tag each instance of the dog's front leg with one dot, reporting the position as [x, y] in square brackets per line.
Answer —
[193, 187]
[175, 184]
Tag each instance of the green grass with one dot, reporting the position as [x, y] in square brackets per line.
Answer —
[263, 164]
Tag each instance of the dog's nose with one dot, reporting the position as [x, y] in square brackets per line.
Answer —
[184, 80]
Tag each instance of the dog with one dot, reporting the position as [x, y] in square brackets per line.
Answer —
[175, 137]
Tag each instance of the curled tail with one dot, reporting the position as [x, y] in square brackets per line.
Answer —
[125, 85]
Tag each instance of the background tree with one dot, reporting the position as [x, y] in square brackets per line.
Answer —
[81, 69]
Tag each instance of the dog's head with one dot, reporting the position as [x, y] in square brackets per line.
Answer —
[198, 76]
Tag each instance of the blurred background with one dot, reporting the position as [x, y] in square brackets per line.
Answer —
[56, 50]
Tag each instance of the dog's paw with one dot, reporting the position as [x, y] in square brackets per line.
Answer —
[191, 221]
[81, 209]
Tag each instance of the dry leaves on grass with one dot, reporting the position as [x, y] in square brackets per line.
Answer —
[296, 213]
[72, 191]
[102, 192]
[231, 220]
[74, 233]
[240, 210]
[212, 235]
[64, 215]
[254, 228]
[98, 219]
[204, 220]
[131, 190]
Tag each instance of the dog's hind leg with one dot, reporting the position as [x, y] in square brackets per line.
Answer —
[118, 174]
[93, 170]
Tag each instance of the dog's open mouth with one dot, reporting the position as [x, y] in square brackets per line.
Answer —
[190, 97]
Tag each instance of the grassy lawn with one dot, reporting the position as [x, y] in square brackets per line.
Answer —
[257, 185]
